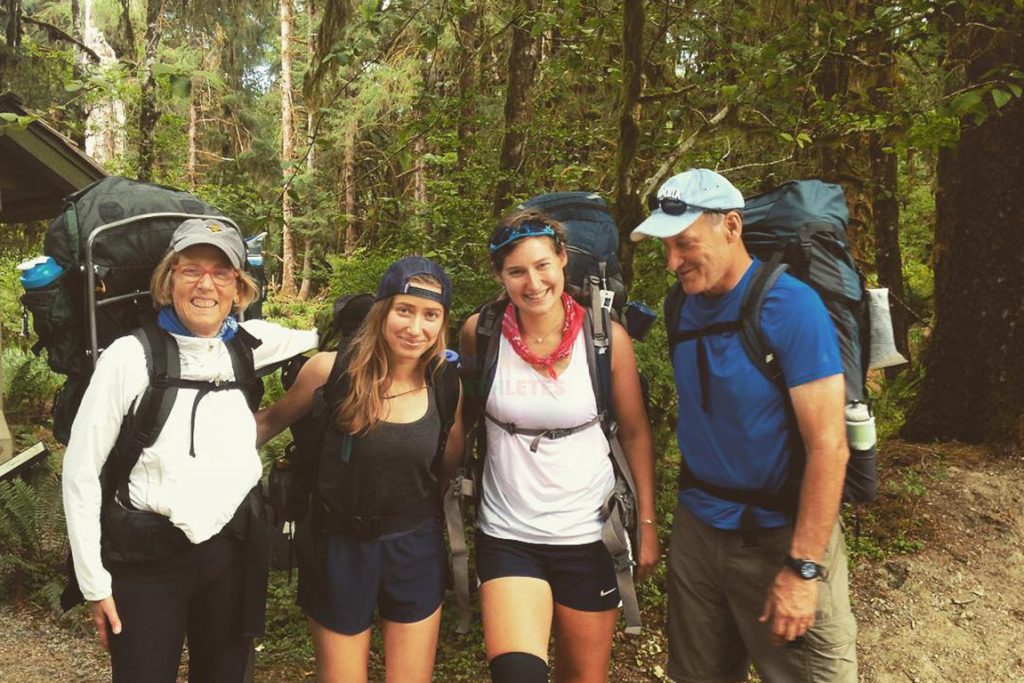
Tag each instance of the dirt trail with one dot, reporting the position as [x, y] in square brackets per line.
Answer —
[955, 610]
[952, 612]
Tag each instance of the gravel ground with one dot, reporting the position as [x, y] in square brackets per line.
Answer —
[36, 649]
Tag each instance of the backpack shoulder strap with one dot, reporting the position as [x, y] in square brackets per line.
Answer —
[479, 369]
[326, 400]
[240, 349]
[751, 334]
[141, 428]
[599, 362]
[672, 308]
[446, 386]
[446, 391]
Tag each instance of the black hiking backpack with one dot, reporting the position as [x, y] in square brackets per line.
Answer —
[296, 477]
[799, 228]
[594, 274]
[108, 239]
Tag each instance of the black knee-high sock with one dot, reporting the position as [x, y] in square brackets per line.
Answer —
[518, 667]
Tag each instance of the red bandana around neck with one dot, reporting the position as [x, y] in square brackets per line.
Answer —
[574, 315]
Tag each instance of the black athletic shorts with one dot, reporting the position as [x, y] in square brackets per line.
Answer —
[402, 575]
[582, 577]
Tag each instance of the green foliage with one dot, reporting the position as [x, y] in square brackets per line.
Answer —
[29, 384]
[287, 636]
[10, 304]
[33, 544]
[896, 396]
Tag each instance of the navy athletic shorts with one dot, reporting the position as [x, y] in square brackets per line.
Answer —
[582, 577]
[402, 575]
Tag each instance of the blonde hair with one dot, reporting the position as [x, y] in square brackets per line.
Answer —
[161, 285]
[369, 365]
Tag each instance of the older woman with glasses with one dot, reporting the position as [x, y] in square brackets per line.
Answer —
[163, 521]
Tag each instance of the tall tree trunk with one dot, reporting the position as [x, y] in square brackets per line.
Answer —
[148, 114]
[628, 212]
[973, 388]
[13, 31]
[307, 243]
[885, 208]
[419, 182]
[230, 145]
[469, 42]
[307, 268]
[106, 120]
[287, 151]
[843, 157]
[190, 161]
[521, 69]
[352, 227]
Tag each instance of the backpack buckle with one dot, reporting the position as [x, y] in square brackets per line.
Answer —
[364, 527]
[462, 485]
[622, 562]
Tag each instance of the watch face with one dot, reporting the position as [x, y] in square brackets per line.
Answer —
[808, 570]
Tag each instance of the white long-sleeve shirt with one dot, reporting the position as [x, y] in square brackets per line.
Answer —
[198, 494]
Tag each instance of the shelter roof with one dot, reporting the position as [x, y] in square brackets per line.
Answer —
[38, 167]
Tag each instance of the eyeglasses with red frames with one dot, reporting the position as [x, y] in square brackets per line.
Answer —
[221, 275]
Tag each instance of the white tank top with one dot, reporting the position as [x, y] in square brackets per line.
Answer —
[553, 496]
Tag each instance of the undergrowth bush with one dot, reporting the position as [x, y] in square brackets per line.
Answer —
[29, 385]
[33, 540]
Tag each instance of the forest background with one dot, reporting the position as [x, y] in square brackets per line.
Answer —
[354, 132]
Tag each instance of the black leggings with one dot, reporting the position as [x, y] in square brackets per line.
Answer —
[198, 594]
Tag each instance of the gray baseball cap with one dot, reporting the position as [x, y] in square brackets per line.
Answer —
[210, 231]
[683, 198]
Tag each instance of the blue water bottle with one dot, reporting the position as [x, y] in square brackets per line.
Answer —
[35, 274]
[38, 272]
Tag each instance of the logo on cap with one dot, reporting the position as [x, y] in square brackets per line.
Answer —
[214, 226]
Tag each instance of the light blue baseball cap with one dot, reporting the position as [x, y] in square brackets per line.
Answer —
[683, 198]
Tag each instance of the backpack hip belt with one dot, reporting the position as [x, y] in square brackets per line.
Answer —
[327, 521]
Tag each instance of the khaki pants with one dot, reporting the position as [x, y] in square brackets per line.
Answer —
[717, 588]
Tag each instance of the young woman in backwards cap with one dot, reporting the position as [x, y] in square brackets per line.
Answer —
[373, 537]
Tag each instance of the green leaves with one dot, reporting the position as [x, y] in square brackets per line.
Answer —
[16, 120]
[1000, 97]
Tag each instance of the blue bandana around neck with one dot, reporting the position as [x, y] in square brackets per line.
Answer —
[168, 320]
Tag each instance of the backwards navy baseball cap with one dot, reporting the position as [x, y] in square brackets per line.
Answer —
[396, 280]
[683, 198]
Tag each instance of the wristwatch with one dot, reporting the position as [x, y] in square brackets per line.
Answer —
[805, 569]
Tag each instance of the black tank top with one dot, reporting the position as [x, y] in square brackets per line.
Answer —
[392, 468]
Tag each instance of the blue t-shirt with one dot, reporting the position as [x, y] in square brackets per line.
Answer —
[742, 441]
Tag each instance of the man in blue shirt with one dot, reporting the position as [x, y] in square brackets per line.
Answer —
[748, 582]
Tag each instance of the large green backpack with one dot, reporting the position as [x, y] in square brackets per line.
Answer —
[108, 239]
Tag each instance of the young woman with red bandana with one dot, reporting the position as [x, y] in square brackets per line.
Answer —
[540, 558]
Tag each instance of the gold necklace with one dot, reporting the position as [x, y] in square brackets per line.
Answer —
[403, 393]
[540, 340]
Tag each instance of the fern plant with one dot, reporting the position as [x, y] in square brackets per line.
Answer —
[33, 541]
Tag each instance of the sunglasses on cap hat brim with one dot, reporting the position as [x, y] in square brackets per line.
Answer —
[677, 207]
[512, 233]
